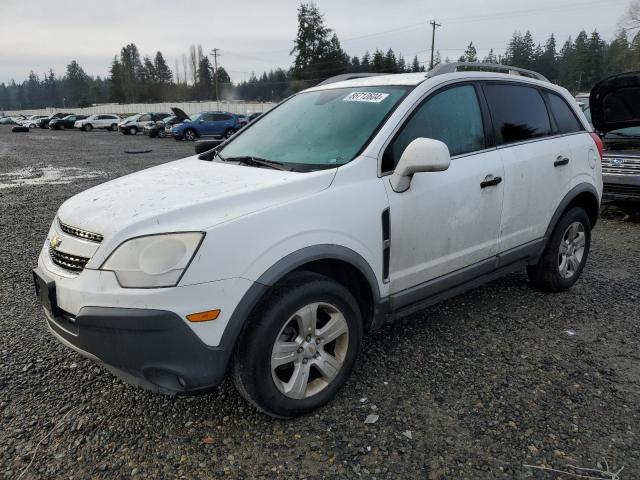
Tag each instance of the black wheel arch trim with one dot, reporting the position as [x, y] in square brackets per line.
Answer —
[287, 265]
[564, 203]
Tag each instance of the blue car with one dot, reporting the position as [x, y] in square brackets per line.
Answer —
[207, 124]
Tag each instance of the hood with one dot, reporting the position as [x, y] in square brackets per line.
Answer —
[615, 102]
[179, 114]
[188, 194]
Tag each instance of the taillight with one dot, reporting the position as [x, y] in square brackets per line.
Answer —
[599, 144]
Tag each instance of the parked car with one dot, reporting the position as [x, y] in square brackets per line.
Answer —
[136, 123]
[345, 207]
[162, 128]
[31, 121]
[614, 110]
[207, 124]
[253, 116]
[107, 121]
[243, 120]
[7, 121]
[67, 122]
[44, 122]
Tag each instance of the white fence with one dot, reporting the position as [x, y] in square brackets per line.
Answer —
[189, 107]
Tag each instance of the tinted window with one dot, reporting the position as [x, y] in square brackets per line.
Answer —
[220, 117]
[452, 116]
[566, 121]
[207, 117]
[144, 118]
[518, 113]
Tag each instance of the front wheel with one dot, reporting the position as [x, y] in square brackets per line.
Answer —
[114, 127]
[190, 134]
[133, 130]
[565, 255]
[299, 347]
[88, 127]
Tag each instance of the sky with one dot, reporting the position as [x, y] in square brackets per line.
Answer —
[254, 36]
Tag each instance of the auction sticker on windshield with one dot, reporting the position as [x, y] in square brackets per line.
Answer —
[371, 97]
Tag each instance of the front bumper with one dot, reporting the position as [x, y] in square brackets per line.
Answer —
[153, 348]
[621, 187]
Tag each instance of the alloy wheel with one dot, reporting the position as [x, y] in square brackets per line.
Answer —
[571, 250]
[310, 350]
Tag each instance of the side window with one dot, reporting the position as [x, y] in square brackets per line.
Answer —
[518, 113]
[566, 121]
[452, 116]
[144, 118]
[208, 117]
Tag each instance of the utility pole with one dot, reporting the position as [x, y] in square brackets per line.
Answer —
[434, 25]
[215, 53]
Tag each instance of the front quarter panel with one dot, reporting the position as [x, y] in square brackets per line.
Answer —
[347, 214]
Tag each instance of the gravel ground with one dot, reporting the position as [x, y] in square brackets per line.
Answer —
[473, 388]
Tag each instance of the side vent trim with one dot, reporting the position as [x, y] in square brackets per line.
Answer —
[386, 244]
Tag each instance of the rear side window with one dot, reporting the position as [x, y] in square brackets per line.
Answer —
[518, 113]
[452, 116]
[566, 121]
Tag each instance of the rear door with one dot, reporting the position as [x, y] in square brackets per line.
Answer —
[533, 161]
[447, 221]
[207, 124]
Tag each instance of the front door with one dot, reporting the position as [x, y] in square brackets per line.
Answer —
[447, 222]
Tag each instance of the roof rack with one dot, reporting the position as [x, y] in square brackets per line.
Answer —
[349, 76]
[484, 67]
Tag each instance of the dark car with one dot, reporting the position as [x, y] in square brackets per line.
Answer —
[44, 122]
[136, 123]
[253, 116]
[66, 122]
[614, 110]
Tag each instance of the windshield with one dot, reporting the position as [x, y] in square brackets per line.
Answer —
[132, 118]
[193, 118]
[325, 127]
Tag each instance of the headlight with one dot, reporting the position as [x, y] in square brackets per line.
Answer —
[153, 260]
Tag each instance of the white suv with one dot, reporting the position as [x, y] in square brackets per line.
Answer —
[106, 121]
[347, 206]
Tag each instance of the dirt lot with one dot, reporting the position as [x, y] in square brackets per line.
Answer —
[473, 388]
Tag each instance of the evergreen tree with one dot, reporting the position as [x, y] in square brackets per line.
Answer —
[470, 54]
[312, 43]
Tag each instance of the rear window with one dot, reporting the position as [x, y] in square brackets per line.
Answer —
[566, 121]
[518, 113]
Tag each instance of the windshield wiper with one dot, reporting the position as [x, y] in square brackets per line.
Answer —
[255, 162]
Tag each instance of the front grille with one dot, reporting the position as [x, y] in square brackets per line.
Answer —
[619, 190]
[79, 233]
[67, 261]
[621, 165]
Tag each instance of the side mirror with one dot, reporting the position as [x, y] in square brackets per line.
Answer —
[421, 155]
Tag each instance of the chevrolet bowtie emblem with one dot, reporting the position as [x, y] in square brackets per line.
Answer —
[55, 242]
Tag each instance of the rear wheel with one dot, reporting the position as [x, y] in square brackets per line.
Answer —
[565, 255]
[229, 132]
[300, 346]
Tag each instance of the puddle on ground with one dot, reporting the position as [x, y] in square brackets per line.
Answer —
[48, 175]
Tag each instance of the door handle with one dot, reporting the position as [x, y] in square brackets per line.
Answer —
[490, 181]
[561, 161]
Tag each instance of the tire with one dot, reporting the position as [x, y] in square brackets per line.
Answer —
[272, 389]
[189, 134]
[229, 133]
[114, 127]
[87, 127]
[132, 130]
[565, 255]
[161, 134]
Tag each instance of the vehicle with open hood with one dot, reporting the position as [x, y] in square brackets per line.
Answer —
[136, 123]
[162, 128]
[347, 206]
[614, 109]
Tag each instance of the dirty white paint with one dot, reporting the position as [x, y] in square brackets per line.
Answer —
[47, 175]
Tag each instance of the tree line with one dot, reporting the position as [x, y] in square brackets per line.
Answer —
[317, 54]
